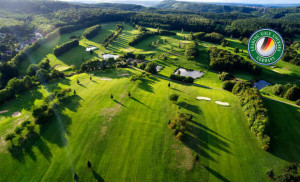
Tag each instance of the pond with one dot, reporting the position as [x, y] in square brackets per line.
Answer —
[107, 56]
[190, 73]
[260, 84]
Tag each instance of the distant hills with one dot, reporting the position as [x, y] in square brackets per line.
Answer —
[203, 7]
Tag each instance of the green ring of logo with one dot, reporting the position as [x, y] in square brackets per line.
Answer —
[262, 40]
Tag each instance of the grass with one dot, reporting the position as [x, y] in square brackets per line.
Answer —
[46, 49]
[126, 136]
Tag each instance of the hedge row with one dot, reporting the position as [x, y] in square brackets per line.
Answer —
[112, 36]
[186, 79]
[60, 50]
[145, 34]
[255, 111]
[92, 31]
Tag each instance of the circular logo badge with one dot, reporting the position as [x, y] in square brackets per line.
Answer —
[266, 46]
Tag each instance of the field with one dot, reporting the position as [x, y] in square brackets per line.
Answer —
[127, 138]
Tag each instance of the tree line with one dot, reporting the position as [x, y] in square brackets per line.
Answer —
[223, 60]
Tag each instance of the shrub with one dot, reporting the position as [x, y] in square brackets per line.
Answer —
[191, 51]
[55, 74]
[10, 137]
[172, 126]
[236, 50]
[298, 102]
[225, 76]
[178, 77]
[151, 68]
[277, 89]
[143, 66]
[44, 64]
[228, 85]
[292, 93]
[42, 76]
[42, 113]
[25, 123]
[32, 69]
[18, 130]
[174, 97]
[179, 136]
[240, 86]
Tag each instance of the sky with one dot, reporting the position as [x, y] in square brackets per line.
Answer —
[207, 1]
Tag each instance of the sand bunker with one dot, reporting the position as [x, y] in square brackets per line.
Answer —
[203, 98]
[57, 65]
[222, 103]
[16, 114]
[107, 79]
[91, 48]
[276, 71]
[5, 111]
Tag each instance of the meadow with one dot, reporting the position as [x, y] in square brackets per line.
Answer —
[127, 138]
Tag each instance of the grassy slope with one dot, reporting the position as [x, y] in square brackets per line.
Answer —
[125, 140]
[46, 49]
[72, 57]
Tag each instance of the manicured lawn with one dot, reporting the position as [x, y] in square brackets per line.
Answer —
[124, 138]
[128, 139]
[46, 49]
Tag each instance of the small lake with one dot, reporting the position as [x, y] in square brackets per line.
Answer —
[260, 84]
[193, 74]
[107, 56]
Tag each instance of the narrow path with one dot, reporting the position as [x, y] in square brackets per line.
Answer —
[295, 105]
[204, 86]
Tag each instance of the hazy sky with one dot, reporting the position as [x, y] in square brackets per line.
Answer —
[223, 1]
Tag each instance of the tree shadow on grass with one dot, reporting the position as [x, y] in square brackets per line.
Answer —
[207, 129]
[54, 131]
[177, 90]
[25, 146]
[284, 130]
[81, 85]
[97, 176]
[119, 103]
[139, 102]
[190, 107]
[203, 142]
[73, 102]
[216, 174]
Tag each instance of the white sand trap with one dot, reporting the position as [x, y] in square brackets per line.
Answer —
[203, 98]
[16, 114]
[222, 103]
[106, 79]
[57, 65]
[88, 49]
[125, 74]
[5, 111]
[276, 71]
